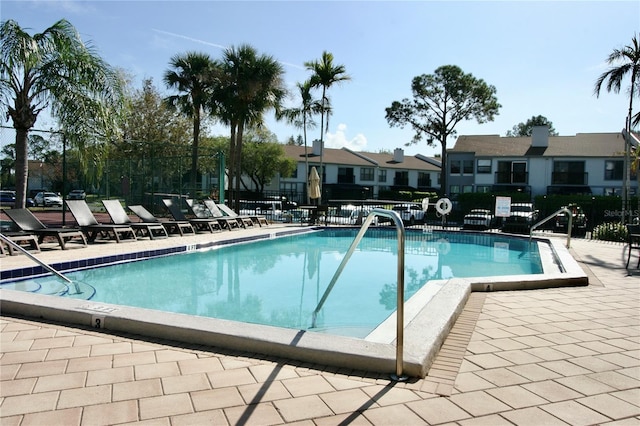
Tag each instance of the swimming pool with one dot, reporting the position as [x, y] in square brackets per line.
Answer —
[279, 281]
[428, 313]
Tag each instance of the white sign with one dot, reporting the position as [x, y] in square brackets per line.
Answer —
[503, 206]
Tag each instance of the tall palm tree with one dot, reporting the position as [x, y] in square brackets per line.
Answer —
[54, 69]
[192, 76]
[250, 85]
[302, 117]
[623, 62]
[325, 74]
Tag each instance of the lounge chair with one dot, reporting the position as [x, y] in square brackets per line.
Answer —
[203, 212]
[256, 219]
[207, 224]
[633, 241]
[120, 217]
[92, 228]
[20, 238]
[171, 226]
[27, 222]
[243, 221]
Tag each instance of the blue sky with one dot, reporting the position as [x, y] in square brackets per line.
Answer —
[543, 57]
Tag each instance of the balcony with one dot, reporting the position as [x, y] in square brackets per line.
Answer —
[346, 179]
[424, 183]
[569, 178]
[399, 181]
[508, 178]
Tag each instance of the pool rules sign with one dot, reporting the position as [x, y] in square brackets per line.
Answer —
[503, 206]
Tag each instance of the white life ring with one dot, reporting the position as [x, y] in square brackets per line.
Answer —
[443, 206]
[425, 204]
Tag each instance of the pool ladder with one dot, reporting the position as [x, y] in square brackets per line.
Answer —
[398, 376]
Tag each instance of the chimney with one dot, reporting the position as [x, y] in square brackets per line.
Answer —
[398, 155]
[540, 137]
[317, 147]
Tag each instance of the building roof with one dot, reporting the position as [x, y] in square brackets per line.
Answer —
[330, 156]
[580, 145]
[346, 156]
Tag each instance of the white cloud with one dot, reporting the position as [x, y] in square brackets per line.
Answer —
[339, 139]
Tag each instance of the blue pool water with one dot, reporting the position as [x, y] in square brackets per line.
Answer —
[280, 281]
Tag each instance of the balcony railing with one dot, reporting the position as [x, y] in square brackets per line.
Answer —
[511, 177]
[401, 181]
[424, 183]
[569, 178]
[346, 179]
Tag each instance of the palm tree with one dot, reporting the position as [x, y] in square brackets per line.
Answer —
[623, 62]
[325, 74]
[54, 69]
[302, 117]
[192, 76]
[250, 85]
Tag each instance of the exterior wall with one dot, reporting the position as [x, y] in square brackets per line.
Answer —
[331, 176]
[539, 173]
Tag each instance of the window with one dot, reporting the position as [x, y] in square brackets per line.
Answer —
[424, 179]
[345, 175]
[401, 179]
[466, 189]
[485, 189]
[291, 187]
[467, 167]
[484, 166]
[512, 172]
[568, 173]
[382, 175]
[454, 167]
[454, 190]
[613, 170]
[367, 174]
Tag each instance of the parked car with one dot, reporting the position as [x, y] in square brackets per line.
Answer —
[523, 216]
[410, 213]
[578, 221]
[77, 194]
[478, 219]
[7, 198]
[47, 199]
[349, 214]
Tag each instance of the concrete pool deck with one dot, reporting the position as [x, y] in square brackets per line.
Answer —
[546, 356]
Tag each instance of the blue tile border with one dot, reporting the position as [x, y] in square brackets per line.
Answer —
[36, 271]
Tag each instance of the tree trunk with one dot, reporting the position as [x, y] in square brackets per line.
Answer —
[443, 169]
[238, 164]
[232, 163]
[194, 154]
[321, 171]
[306, 156]
[22, 167]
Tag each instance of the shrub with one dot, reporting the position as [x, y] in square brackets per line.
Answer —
[610, 231]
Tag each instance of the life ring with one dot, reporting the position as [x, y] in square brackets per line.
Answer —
[443, 206]
[425, 204]
[444, 247]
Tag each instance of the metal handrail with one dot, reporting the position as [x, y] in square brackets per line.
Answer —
[400, 293]
[41, 263]
[551, 216]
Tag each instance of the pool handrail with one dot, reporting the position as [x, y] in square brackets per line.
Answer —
[41, 263]
[551, 216]
[398, 376]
